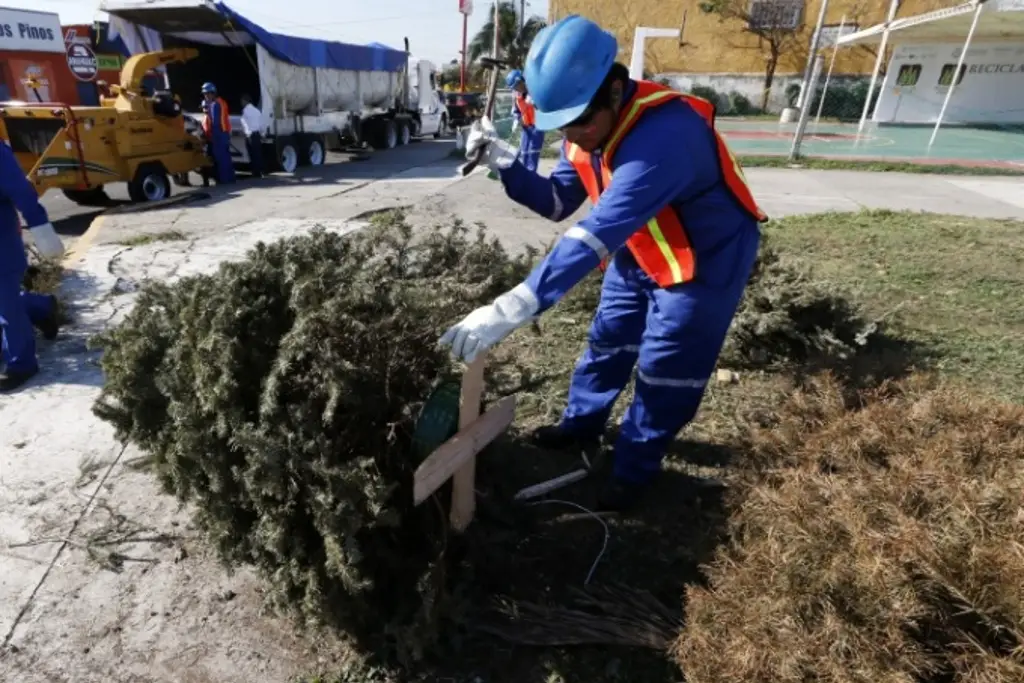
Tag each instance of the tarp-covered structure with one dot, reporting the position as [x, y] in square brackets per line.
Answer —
[140, 25]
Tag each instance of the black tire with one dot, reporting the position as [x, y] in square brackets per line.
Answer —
[288, 158]
[384, 135]
[150, 184]
[94, 196]
[316, 151]
[403, 132]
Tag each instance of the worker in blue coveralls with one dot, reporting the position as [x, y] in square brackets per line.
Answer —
[673, 226]
[531, 140]
[217, 128]
[20, 310]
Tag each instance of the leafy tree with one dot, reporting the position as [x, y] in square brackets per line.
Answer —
[513, 44]
[777, 24]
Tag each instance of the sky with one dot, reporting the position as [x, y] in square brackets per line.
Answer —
[434, 27]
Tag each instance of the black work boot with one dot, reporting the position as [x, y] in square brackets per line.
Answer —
[619, 496]
[13, 379]
[49, 326]
[554, 438]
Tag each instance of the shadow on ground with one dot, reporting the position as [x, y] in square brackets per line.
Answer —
[530, 616]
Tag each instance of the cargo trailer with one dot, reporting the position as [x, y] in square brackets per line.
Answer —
[314, 94]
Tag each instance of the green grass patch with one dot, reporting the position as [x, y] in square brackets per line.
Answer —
[154, 237]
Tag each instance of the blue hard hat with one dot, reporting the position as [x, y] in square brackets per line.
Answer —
[209, 87]
[567, 63]
[513, 78]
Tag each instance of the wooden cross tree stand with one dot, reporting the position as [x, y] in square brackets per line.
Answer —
[456, 458]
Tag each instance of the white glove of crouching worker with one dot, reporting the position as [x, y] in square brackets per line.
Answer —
[498, 154]
[488, 325]
[46, 240]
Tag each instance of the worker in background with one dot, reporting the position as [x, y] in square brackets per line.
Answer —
[663, 185]
[207, 172]
[252, 122]
[532, 140]
[217, 128]
[20, 310]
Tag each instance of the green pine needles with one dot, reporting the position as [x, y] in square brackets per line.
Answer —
[277, 395]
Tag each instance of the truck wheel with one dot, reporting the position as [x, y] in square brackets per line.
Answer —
[150, 184]
[94, 196]
[288, 157]
[384, 135]
[404, 132]
[315, 153]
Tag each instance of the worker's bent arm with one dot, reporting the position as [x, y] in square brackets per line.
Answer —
[671, 156]
[18, 190]
[556, 197]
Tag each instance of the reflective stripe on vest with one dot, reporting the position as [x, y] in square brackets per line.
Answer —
[225, 117]
[661, 247]
[526, 110]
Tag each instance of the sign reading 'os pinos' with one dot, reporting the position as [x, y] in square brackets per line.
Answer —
[27, 31]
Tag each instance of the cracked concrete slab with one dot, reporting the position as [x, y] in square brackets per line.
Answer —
[130, 592]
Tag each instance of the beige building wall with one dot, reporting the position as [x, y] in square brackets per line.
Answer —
[713, 46]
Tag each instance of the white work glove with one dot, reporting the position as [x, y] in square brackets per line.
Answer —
[46, 240]
[515, 125]
[498, 155]
[488, 325]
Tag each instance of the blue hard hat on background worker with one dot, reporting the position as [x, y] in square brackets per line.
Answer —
[673, 226]
[515, 76]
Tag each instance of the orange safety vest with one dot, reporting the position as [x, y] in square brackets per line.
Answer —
[225, 118]
[661, 247]
[526, 110]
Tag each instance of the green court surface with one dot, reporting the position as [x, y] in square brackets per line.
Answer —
[953, 145]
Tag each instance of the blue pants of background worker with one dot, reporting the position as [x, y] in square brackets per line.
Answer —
[667, 334]
[20, 312]
[531, 141]
[220, 150]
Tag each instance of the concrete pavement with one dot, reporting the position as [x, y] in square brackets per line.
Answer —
[102, 578]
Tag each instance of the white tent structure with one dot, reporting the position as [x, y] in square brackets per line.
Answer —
[960, 65]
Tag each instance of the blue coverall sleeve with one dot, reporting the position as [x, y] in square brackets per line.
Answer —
[215, 117]
[670, 156]
[555, 197]
[16, 188]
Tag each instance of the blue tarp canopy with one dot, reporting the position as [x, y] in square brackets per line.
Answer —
[214, 23]
[319, 53]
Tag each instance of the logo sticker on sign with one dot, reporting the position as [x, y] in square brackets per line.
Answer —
[82, 62]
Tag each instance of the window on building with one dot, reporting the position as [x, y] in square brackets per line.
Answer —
[830, 33]
[776, 14]
[908, 74]
[946, 77]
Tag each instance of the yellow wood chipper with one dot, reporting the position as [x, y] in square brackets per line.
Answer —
[134, 137]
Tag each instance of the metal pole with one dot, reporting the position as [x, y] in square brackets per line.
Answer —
[978, 6]
[462, 67]
[805, 113]
[893, 8]
[828, 75]
[522, 15]
[815, 41]
[805, 104]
